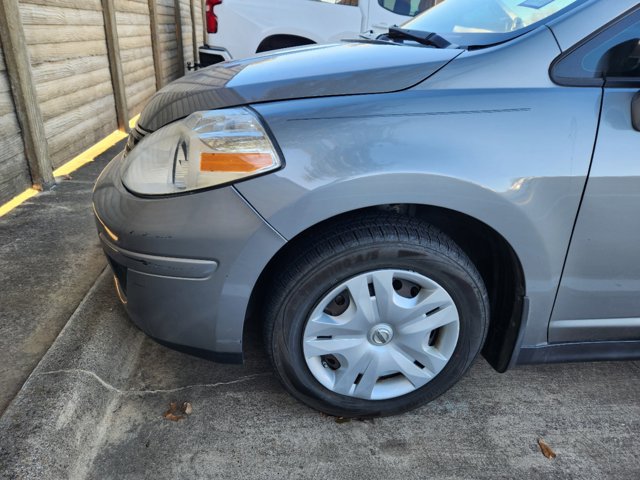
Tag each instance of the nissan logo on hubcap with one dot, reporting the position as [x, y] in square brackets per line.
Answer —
[381, 335]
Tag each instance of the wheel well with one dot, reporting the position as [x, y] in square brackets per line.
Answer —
[492, 255]
[275, 42]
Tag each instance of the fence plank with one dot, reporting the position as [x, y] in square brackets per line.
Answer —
[53, 52]
[117, 77]
[41, 34]
[78, 4]
[203, 22]
[180, 56]
[24, 94]
[194, 33]
[155, 43]
[42, 15]
[55, 89]
[50, 71]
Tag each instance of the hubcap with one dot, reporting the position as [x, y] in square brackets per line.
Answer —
[381, 334]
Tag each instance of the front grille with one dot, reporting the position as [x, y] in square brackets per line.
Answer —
[137, 133]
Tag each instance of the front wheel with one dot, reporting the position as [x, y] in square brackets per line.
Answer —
[379, 315]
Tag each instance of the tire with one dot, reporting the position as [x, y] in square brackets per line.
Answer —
[398, 257]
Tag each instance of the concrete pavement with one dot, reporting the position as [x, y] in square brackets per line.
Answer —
[49, 258]
[93, 409]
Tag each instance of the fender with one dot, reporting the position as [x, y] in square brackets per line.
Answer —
[348, 153]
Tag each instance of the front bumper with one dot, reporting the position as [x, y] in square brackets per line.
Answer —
[185, 266]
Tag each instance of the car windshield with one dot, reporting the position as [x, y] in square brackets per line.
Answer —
[485, 22]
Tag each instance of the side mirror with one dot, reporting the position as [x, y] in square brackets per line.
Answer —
[635, 112]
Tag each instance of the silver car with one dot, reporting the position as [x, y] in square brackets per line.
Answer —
[389, 208]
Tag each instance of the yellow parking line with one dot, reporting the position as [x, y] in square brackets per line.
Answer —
[18, 200]
[72, 165]
[133, 122]
[90, 154]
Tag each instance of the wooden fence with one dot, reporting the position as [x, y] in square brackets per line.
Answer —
[73, 71]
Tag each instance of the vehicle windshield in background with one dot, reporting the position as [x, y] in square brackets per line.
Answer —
[486, 22]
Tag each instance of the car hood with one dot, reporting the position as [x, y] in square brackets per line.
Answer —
[347, 68]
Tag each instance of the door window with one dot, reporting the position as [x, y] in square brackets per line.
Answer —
[609, 58]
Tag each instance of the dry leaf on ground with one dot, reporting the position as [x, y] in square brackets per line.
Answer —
[174, 418]
[546, 450]
[177, 413]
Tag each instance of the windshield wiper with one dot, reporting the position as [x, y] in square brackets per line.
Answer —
[424, 38]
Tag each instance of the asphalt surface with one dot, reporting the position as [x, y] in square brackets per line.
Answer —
[49, 258]
[93, 407]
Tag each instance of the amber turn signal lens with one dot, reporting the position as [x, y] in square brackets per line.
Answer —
[234, 162]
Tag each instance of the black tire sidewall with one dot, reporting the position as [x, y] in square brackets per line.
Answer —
[312, 284]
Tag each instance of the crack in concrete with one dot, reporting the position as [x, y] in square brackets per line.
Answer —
[111, 388]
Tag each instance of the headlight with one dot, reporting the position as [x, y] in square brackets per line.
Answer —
[204, 150]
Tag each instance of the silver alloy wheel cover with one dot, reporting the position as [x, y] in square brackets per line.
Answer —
[383, 341]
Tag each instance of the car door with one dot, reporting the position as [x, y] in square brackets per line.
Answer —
[386, 13]
[599, 294]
